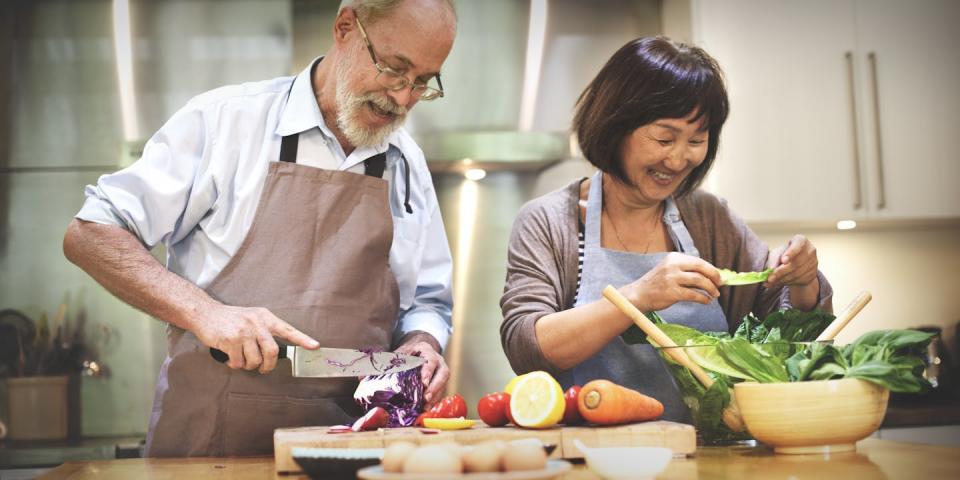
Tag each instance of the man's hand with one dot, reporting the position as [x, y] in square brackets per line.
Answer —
[246, 335]
[434, 371]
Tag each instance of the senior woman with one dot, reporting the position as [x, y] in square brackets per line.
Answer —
[650, 122]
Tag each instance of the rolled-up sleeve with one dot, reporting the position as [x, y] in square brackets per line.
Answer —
[431, 310]
[149, 197]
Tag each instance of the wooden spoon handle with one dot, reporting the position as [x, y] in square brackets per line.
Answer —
[731, 415]
[844, 318]
[654, 332]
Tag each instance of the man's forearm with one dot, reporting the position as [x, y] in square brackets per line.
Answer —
[117, 260]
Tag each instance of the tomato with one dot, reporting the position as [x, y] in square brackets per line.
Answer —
[493, 407]
[571, 412]
[419, 421]
[451, 407]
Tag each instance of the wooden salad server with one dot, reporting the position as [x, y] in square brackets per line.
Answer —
[860, 301]
[731, 415]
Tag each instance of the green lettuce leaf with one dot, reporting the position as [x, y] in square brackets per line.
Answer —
[729, 277]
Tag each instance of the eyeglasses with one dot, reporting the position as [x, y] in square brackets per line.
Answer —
[394, 80]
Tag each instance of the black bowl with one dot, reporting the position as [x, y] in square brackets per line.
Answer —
[335, 462]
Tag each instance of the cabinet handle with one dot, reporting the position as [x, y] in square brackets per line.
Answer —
[882, 198]
[857, 187]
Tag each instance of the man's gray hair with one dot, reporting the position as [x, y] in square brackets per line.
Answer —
[373, 10]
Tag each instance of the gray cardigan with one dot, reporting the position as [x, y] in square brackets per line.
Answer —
[542, 267]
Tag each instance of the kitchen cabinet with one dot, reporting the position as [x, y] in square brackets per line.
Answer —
[839, 108]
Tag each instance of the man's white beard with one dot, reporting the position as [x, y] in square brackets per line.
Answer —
[350, 106]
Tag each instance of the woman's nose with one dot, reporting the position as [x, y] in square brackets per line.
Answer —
[678, 157]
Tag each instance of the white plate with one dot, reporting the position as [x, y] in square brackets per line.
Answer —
[554, 469]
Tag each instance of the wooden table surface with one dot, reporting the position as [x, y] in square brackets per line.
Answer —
[874, 459]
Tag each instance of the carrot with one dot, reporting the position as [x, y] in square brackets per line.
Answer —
[606, 403]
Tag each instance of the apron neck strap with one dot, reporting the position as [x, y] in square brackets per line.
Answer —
[671, 217]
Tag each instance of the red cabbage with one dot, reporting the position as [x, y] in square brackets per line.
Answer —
[400, 394]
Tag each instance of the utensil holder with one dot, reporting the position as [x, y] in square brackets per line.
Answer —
[38, 408]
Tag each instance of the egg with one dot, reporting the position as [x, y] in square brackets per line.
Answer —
[524, 456]
[433, 459]
[485, 457]
[395, 455]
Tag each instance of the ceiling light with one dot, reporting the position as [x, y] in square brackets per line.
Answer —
[846, 225]
[475, 174]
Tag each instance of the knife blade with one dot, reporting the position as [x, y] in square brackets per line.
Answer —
[338, 362]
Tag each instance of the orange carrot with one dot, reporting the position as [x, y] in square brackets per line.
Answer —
[606, 403]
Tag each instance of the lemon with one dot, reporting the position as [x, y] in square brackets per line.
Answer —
[458, 423]
[536, 401]
[513, 383]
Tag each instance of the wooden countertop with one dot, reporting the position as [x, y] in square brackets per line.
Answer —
[873, 459]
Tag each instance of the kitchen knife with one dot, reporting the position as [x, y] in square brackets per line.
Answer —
[338, 362]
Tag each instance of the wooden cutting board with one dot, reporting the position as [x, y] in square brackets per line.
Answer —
[681, 438]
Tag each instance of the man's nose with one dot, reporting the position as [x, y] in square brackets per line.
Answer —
[403, 97]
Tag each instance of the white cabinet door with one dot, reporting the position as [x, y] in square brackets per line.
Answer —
[913, 162]
[788, 150]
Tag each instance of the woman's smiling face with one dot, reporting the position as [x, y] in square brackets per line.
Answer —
[657, 157]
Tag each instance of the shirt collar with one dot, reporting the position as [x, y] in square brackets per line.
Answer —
[302, 113]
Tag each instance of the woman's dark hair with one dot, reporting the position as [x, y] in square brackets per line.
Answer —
[645, 80]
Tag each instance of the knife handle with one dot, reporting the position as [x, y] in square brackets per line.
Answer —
[222, 357]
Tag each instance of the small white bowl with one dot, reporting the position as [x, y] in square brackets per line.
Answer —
[618, 463]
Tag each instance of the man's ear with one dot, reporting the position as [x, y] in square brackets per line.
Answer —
[345, 23]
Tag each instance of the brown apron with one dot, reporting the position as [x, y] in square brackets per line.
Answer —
[316, 256]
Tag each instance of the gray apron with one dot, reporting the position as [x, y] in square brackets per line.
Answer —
[636, 366]
[316, 256]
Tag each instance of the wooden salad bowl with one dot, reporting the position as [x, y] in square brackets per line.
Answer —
[812, 417]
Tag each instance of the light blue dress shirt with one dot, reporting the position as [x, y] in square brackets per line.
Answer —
[196, 188]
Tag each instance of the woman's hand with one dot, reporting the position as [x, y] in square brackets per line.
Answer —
[795, 265]
[678, 278]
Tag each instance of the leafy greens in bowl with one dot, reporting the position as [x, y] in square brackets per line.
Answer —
[780, 348]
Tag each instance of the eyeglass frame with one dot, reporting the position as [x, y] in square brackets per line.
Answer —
[405, 82]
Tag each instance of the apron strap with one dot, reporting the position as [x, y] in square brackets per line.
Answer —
[288, 148]
[594, 210]
[373, 166]
[678, 231]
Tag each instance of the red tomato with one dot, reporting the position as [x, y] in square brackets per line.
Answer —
[419, 421]
[493, 407]
[571, 412]
[451, 407]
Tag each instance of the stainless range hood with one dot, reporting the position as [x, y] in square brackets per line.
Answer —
[457, 152]
[512, 78]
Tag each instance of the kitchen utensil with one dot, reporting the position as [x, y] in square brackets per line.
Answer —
[731, 415]
[338, 362]
[852, 309]
[822, 416]
[625, 462]
[936, 361]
